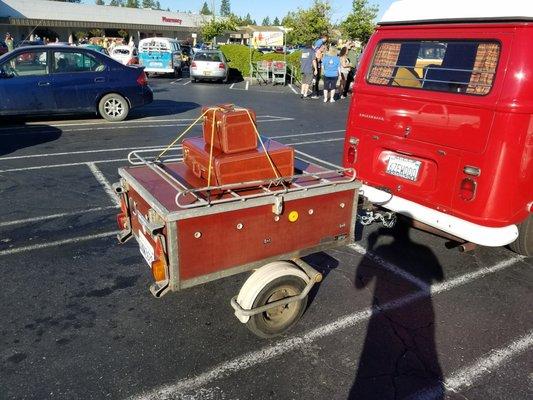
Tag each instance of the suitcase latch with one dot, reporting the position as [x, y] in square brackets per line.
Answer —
[277, 207]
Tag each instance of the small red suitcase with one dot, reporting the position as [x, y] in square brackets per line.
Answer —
[234, 132]
[246, 166]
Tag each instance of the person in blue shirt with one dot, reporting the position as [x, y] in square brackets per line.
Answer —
[306, 62]
[331, 65]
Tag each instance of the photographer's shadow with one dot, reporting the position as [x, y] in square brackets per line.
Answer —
[399, 357]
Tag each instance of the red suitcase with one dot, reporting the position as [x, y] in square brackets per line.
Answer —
[246, 166]
[234, 132]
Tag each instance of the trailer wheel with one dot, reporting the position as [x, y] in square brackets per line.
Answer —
[280, 319]
[524, 243]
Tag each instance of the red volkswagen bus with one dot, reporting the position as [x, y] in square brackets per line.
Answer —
[440, 126]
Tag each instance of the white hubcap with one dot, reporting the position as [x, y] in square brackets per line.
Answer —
[113, 107]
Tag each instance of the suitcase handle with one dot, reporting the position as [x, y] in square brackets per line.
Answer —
[196, 169]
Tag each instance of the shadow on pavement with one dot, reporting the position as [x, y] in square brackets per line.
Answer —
[161, 108]
[20, 138]
[399, 358]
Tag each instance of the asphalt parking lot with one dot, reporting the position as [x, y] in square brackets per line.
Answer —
[398, 316]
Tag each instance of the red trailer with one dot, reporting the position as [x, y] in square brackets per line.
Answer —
[190, 234]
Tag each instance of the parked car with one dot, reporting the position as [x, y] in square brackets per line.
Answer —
[3, 48]
[209, 65]
[125, 55]
[440, 128]
[44, 80]
[160, 56]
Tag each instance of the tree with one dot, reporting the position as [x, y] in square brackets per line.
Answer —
[100, 2]
[215, 28]
[307, 25]
[147, 4]
[157, 5]
[116, 3]
[96, 32]
[225, 8]
[359, 24]
[205, 9]
[276, 22]
[248, 19]
[69, 1]
[266, 21]
[132, 3]
[122, 33]
[80, 35]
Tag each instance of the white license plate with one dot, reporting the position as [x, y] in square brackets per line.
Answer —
[156, 64]
[146, 249]
[403, 167]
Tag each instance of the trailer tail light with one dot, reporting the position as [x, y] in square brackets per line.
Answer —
[467, 190]
[159, 265]
[142, 79]
[122, 218]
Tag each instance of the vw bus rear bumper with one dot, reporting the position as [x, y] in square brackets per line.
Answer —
[479, 234]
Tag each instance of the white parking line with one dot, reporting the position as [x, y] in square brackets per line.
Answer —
[65, 153]
[318, 159]
[467, 376]
[53, 216]
[104, 182]
[294, 90]
[176, 81]
[38, 126]
[267, 353]
[231, 86]
[247, 85]
[186, 83]
[125, 159]
[56, 243]
[391, 267]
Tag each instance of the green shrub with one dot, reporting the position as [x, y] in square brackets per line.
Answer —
[239, 57]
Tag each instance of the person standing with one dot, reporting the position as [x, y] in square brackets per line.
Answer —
[353, 58]
[317, 71]
[9, 42]
[345, 68]
[306, 67]
[332, 68]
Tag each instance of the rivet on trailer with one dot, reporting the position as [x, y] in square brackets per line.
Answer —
[191, 231]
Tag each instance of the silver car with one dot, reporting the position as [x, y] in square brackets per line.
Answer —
[209, 65]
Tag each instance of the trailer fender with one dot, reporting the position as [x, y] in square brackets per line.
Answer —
[262, 277]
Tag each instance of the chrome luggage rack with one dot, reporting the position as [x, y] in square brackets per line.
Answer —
[208, 196]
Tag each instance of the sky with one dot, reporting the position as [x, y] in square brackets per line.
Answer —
[259, 9]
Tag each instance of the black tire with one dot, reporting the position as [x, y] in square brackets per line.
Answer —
[194, 80]
[279, 320]
[113, 107]
[524, 243]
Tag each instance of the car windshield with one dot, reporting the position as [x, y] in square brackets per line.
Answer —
[205, 56]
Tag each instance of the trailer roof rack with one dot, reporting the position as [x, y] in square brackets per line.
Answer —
[188, 197]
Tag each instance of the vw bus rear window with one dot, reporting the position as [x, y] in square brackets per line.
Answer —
[465, 67]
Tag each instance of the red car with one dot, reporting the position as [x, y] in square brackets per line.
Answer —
[440, 127]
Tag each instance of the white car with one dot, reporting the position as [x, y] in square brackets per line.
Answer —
[209, 65]
[125, 55]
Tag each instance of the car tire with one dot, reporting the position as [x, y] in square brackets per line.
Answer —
[524, 243]
[113, 107]
[194, 80]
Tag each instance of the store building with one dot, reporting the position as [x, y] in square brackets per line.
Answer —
[63, 20]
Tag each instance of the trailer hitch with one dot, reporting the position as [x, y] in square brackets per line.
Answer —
[367, 217]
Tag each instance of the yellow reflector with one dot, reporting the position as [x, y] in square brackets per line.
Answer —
[293, 216]
[158, 270]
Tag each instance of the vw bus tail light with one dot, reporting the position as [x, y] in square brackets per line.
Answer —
[351, 153]
[467, 189]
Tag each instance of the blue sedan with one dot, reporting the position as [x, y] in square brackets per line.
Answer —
[43, 80]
